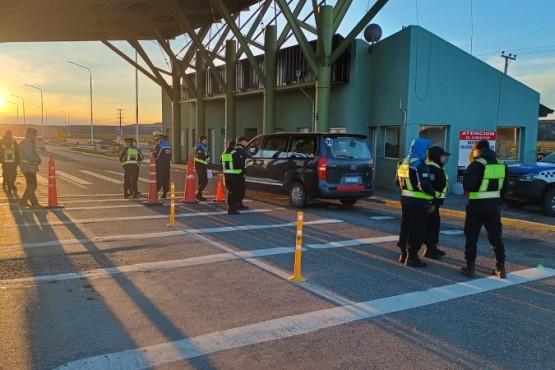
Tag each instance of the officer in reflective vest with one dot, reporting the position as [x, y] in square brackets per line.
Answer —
[233, 167]
[9, 156]
[29, 166]
[202, 158]
[417, 196]
[484, 180]
[130, 158]
[437, 156]
[163, 154]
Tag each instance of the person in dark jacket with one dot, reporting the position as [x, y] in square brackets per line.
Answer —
[202, 158]
[437, 156]
[131, 158]
[417, 197]
[163, 155]
[234, 169]
[485, 182]
[9, 157]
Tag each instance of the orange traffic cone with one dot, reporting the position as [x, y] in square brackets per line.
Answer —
[152, 199]
[189, 192]
[219, 191]
[52, 191]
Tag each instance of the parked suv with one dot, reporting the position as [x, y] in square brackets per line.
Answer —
[533, 183]
[312, 165]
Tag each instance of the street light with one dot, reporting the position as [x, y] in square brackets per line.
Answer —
[91, 93]
[23, 100]
[41, 109]
[17, 109]
[67, 122]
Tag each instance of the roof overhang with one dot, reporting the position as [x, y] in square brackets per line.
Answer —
[95, 20]
[544, 111]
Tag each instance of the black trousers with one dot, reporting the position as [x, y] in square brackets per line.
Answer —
[163, 177]
[202, 179]
[432, 229]
[31, 187]
[130, 179]
[9, 174]
[489, 217]
[413, 229]
[233, 185]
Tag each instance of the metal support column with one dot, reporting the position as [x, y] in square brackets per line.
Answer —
[230, 80]
[176, 114]
[270, 70]
[323, 83]
[200, 121]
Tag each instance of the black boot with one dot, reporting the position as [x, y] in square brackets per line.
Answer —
[500, 271]
[431, 253]
[469, 271]
[413, 260]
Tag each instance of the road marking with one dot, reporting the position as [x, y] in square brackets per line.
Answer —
[353, 242]
[122, 174]
[452, 232]
[42, 180]
[102, 177]
[130, 205]
[113, 238]
[380, 218]
[290, 326]
[73, 178]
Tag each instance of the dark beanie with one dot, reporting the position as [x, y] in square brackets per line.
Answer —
[482, 144]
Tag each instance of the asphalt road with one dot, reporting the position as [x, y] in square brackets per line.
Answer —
[105, 283]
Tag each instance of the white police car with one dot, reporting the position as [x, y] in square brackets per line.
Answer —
[533, 183]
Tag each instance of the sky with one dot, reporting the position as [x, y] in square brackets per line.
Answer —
[483, 28]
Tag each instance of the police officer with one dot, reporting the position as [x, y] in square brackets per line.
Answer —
[484, 180]
[9, 156]
[233, 164]
[28, 164]
[229, 176]
[202, 158]
[130, 158]
[417, 196]
[437, 156]
[163, 155]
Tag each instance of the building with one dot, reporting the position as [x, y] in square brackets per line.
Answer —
[410, 84]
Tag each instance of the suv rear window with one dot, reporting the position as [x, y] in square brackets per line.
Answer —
[347, 147]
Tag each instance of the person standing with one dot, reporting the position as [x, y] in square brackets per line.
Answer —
[484, 180]
[9, 156]
[239, 161]
[130, 158]
[29, 165]
[437, 156]
[230, 177]
[417, 196]
[202, 158]
[163, 155]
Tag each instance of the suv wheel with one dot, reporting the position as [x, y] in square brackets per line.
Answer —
[297, 195]
[548, 205]
[348, 202]
[514, 203]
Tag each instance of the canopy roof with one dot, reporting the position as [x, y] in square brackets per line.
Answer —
[94, 20]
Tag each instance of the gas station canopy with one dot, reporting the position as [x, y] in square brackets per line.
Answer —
[95, 20]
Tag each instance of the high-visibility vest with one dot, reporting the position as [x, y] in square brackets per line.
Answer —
[443, 193]
[494, 171]
[407, 190]
[227, 164]
[9, 154]
[132, 156]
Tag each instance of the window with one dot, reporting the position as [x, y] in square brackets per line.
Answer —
[436, 134]
[347, 147]
[303, 147]
[507, 143]
[392, 139]
[275, 147]
[254, 148]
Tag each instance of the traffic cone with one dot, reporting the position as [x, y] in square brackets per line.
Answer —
[152, 199]
[189, 192]
[219, 191]
[52, 191]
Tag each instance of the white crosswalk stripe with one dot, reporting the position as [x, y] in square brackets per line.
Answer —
[109, 179]
[121, 174]
[73, 178]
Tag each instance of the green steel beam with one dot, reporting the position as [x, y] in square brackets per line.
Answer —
[230, 123]
[237, 32]
[323, 83]
[270, 67]
[175, 97]
[341, 8]
[307, 27]
[255, 25]
[357, 29]
[200, 110]
[147, 60]
[299, 35]
[286, 28]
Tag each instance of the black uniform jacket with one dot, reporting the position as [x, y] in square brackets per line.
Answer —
[473, 179]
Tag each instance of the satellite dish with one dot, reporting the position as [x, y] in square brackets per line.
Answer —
[372, 33]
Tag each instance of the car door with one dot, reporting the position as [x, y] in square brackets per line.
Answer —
[274, 160]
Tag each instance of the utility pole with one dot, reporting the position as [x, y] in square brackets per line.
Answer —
[120, 116]
[507, 58]
[119, 134]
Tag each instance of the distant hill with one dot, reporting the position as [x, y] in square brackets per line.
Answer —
[80, 130]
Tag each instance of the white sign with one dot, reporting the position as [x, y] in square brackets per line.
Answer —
[467, 139]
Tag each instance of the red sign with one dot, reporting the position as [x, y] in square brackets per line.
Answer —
[477, 135]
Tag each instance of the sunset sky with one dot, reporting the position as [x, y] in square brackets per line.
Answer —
[481, 27]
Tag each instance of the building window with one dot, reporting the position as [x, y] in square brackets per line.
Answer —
[392, 139]
[507, 143]
[436, 134]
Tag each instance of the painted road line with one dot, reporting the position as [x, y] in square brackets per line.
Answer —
[42, 180]
[132, 218]
[290, 326]
[121, 174]
[130, 205]
[354, 242]
[73, 178]
[109, 179]
[113, 238]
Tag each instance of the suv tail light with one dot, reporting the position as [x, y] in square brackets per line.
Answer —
[322, 168]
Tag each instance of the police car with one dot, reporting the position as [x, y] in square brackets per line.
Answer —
[533, 183]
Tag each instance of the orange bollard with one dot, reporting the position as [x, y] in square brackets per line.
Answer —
[189, 192]
[152, 199]
[220, 191]
[297, 277]
[172, 205]
[52, 190]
